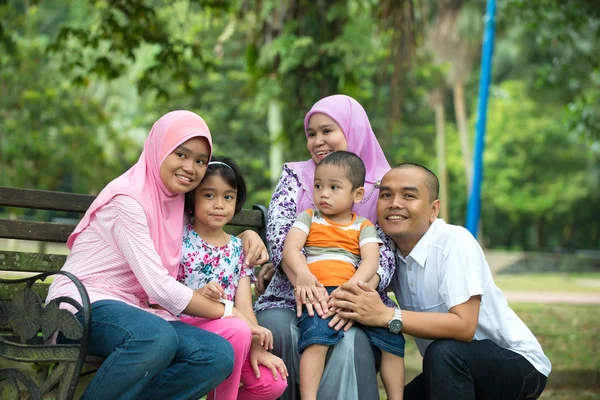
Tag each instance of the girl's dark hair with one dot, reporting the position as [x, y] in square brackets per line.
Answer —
[230, 173]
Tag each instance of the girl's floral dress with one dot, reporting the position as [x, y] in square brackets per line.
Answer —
[202, 263]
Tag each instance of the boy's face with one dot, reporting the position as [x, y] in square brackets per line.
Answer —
[333, 193]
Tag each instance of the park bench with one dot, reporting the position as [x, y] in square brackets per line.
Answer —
[25, 320]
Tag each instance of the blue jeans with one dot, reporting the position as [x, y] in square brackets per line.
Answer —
[477, 370]
[316, 330]
[150, 358]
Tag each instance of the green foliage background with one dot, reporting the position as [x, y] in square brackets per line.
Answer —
[81, 83]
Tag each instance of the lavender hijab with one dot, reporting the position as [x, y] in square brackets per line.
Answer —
[354, 122]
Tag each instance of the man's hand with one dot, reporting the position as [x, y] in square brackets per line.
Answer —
[337, 322]
[264, 277]
[361, 303]
[255, 251]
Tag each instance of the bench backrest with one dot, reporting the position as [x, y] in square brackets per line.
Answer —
[58, 232]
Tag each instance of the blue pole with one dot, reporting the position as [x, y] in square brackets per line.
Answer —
[487, 52]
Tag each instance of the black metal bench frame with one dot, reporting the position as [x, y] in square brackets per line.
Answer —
[22, 299]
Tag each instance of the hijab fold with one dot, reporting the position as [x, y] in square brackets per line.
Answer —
[354, 122]
[164, 210]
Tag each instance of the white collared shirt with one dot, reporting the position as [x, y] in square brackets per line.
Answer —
[445, 269]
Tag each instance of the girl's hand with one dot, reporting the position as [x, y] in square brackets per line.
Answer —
[310, 293]
[259, 356]
[265, 337]
[255, 251]
[212, 290]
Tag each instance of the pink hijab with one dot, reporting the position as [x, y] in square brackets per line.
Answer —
[164, 210]
[354, 122]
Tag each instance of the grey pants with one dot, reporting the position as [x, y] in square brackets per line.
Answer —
[350, 370]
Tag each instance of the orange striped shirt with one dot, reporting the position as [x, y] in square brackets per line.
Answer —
[333, 250]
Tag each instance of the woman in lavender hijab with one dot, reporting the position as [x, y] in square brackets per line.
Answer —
[334, 123]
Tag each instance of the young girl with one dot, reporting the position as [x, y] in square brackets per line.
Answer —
[213, 264]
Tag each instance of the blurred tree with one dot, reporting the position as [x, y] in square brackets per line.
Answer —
[74, 118]
[54, 136]
[534, 172]
[118, 29]
[454, 38]
[557, 54]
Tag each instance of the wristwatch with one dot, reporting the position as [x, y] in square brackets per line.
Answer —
[228, 308]
[395, 324]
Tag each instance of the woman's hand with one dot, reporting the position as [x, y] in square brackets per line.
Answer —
[309, 292]
[264, 277]
[255, 251]
[260, 356]
[265, 337]
[212, 290]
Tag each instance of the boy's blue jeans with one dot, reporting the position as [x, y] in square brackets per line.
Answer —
[316, 330]
[150, 358]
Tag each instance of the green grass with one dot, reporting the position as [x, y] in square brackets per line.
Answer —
[549, 282]
[569, 336]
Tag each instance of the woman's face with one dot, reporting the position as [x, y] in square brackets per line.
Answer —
[324, 137]
[185, 167]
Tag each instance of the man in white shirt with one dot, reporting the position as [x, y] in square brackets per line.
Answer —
[473, 345]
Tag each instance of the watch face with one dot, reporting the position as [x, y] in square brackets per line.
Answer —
[395, 325]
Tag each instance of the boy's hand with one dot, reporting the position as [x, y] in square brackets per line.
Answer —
[309, 292]
[212, 290]
[259, 356]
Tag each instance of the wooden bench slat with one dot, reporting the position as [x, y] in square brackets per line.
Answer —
[8, 291]
[59, 233]
[34, 230]
[30, 262]
[248, 218]
[44, 200]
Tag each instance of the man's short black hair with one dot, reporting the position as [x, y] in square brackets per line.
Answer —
[354, 166]
[432, 182]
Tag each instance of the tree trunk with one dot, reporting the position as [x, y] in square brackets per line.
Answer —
[275, 125]
[440, 136]
[460, 111]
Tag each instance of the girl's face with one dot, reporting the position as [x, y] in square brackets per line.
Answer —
[185, 167]
[324, 137]
[214, 202]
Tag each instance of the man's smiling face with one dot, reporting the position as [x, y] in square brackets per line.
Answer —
[404, 208]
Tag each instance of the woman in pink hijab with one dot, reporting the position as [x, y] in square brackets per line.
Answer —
[126, 252]
[334, 123]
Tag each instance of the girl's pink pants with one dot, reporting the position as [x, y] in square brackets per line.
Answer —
[237, 332]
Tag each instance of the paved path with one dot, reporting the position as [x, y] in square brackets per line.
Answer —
[553, 297]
